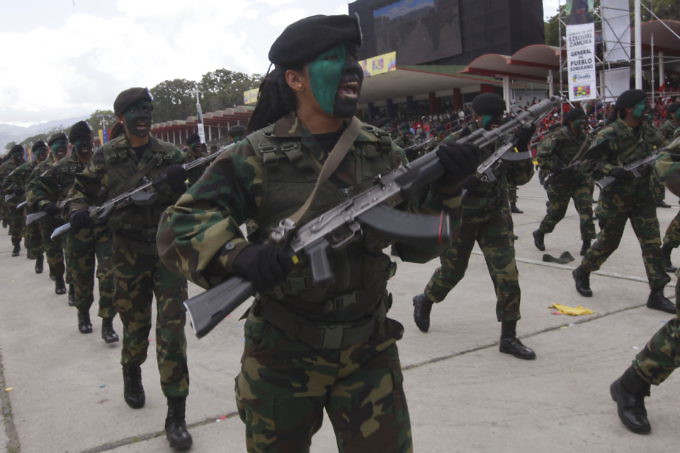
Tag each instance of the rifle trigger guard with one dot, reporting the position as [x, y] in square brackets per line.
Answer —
[354, 230]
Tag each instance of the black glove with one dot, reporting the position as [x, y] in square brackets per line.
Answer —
[80, 219]
[18, 192]
[619, 172]
[264, 265]
[175, 176]
[557, 167]
[51, 209]
[523, 136]
[459, 161]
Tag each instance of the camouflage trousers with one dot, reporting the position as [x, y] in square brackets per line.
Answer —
[137, 278]
[613, 211]
[559, 195]
[285, 385]
[82, 247]
[672, 236]
[33, 239]
[53, 249]
[493, 233]
[512, 193]
[661, 355]
[658, 189]
[16, 218]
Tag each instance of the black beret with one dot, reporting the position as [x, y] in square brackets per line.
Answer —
[57, 136]
[574, 114]
[673, 107]
[192, 139]
[16, 149]
[39, 144]
[236, 131]
[488, 104]
[80, 130]
[629, 99]
[129, 97]
[304, 40]
[405, 126]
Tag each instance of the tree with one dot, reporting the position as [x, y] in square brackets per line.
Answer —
[173, 100]
[101, 119]
[223, 88]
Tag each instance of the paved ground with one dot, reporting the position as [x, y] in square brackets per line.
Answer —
[63, 391]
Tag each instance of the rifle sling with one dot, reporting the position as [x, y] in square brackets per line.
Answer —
[336, 156]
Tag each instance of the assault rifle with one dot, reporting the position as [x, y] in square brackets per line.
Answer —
[411, 150]
[370, 210]
[575, 161]
[10, 197]
[22, 204]
[143, 194]
[636, 166]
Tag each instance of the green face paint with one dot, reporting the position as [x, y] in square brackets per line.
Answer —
[83, 148]
[639, 109]
[326, 73]
[59, 149]
[40, 154]
[138, 118]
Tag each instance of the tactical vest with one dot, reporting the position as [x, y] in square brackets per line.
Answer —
[136, 223]
[350, 307]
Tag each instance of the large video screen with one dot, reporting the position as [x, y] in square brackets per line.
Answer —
[419, 30]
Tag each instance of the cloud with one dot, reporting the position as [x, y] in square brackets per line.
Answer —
[74, 66]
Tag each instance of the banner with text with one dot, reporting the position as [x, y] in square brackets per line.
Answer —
[581, 60]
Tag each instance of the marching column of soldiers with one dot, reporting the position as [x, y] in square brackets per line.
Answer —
[310, 348]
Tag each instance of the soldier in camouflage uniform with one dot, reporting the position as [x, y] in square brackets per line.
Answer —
[115, 168]
[307, 347]
[566, 181]
[661, 355]
[512, 199]
[196, 150]
[19, 179]
[84, 244]
[15, 218]
[671, 238]
[44, 195]
[627, 139]
[236, 133]
[487, 221]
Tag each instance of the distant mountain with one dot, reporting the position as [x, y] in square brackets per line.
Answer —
[11, 133]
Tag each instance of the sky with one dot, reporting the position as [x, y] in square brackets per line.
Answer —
[68, 58]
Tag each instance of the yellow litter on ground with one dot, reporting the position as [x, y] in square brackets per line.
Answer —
[572, 311]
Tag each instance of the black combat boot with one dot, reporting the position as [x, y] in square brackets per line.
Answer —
[59, 285]
[539, 236]
[16, 251]
[133, 391]
[629, 393]
[666, 254]
[29, 254]
[657, 301]
[515, 210]
[71, 295]
[585, 247]
[510, 344]
[176, 426]
[84, 323]
[39, 260]
[582, 280]
[108, 334]
[421, 312]
[662, 204]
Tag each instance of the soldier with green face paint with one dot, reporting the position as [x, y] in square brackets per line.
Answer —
[555, 154]
[82, 245]
[236, 133]
[20, 178]
[308, 347]
[486, 220]
[119, 166]
[627, 139]
[15, 218]
[43, 198]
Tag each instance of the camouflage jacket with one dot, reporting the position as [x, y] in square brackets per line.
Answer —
[5, 169]
[53, 184]
[107, 175]
[618, 145]
[556, 152]
[34, 181]
[18, 178]
[199, 237]
[488, 198]
[668, 129]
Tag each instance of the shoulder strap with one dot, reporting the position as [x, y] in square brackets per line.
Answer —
[336, 156]
[132, 182]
